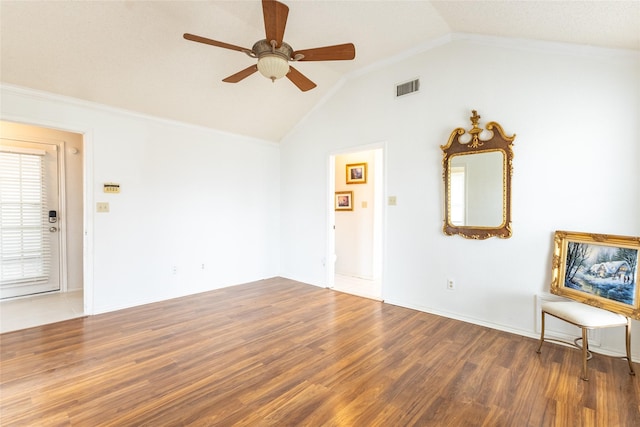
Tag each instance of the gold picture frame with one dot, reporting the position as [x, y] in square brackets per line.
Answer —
[344, 200]
[357, 173]
[597, 269]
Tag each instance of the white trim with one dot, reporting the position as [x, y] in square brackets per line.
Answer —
[76, 102]
[533, 45]
[88, 224]
[330, 256]
[62, 219]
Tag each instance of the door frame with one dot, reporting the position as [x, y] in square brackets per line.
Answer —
[88, 197]
[380, 190]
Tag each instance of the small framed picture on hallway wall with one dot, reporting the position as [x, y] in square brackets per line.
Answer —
[344, 200]
[357, 173]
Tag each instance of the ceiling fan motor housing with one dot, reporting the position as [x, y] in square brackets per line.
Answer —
[273, 62]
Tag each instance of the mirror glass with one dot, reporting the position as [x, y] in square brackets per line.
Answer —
[477, 177]
[476, 189]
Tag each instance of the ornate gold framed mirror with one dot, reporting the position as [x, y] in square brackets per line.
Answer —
[477, 168]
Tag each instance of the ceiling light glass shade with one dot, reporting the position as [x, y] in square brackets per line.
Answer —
[273, 66]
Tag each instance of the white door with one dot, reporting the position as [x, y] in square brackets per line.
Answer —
[29, 218]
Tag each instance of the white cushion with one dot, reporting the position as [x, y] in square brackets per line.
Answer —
[583, 315]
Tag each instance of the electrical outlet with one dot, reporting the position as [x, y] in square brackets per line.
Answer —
[102, 207]
[451, 285]
[174, 270]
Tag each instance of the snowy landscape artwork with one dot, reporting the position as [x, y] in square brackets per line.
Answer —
[604, 271]
[598, 269]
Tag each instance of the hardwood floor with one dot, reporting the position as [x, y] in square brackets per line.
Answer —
[277, 352]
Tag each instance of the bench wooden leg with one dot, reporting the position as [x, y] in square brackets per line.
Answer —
[585, 351]
[628, 342]
[541, 334]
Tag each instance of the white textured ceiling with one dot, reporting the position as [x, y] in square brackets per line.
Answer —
[131, 54]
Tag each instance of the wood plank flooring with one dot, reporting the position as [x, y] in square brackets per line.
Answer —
[281, 353]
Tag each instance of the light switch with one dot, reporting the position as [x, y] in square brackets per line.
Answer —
[364, 204]
[102, 207]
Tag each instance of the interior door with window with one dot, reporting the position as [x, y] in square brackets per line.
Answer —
[29, 215]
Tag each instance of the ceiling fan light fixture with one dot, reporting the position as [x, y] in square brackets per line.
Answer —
[273, 54]
[273, 66]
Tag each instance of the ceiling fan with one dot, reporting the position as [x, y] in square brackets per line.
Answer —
[274, 54]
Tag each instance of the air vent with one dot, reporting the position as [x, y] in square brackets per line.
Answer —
[407, 88]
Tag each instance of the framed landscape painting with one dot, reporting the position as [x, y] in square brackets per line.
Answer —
[597, 269]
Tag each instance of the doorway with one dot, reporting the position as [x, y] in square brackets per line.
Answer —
[29, 204]
[42, 241]
[356, 222]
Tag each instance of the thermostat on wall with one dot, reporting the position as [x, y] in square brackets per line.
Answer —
[110, 187]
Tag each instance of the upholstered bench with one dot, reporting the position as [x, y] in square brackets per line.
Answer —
[586, 317]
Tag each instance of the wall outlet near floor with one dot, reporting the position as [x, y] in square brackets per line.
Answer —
[451, 285]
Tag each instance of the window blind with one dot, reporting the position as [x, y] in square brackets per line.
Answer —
[25, 252]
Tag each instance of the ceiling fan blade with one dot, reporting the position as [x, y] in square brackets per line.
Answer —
[235, 78]
[275, 20]
[339, 52]
[205, 40]
[298, 79]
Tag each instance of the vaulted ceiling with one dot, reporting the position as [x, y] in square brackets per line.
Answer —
[131, 54]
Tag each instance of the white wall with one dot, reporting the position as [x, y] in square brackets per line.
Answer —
[574, 111]
[189, 196]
